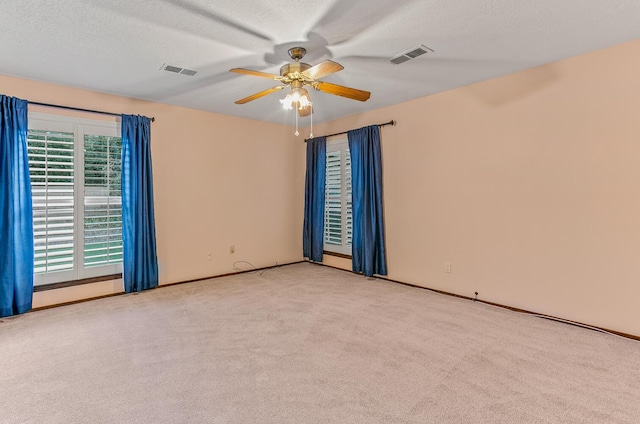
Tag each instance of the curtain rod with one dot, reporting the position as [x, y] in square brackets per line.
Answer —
[79, 109]
[392, 123]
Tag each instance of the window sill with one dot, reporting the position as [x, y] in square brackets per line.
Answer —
[61, 285]
[339, 255]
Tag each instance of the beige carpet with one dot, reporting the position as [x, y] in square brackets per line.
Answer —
[308, 344]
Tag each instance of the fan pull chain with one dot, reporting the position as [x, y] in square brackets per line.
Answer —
[311, 133]
[296, 133]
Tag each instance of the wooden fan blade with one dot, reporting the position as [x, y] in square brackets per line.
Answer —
[255, 73]
[260, 94]
[323, 69]
[340, 90]
[305, 112]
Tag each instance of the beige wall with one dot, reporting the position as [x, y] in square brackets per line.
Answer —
[528, 184]
[218, 181]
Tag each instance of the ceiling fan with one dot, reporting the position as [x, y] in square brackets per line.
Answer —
[299, 74]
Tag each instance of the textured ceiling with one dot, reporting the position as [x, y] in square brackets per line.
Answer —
[119, 46]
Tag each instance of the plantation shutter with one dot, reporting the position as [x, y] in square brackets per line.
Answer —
[348, 198]
[51, 161]
[333, 199]
[75, 172]
[338, 226]
[102, 200]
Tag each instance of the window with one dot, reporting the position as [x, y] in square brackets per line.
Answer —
[338, 220]
[75, 168]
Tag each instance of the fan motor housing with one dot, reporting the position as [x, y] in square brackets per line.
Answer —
[292, 68]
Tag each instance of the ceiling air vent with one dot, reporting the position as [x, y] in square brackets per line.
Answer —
[412, 54]
[177, 70]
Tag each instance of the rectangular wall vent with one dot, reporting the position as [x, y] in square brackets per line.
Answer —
[177, 70]
[411, 54]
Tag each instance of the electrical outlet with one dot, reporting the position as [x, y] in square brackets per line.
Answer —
[232, 249]
[447, 267]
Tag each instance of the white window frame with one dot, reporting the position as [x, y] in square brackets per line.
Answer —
[340, 144]
[79, 127]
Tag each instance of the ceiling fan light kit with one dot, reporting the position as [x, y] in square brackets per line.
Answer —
[297, 75]
[298, 97]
